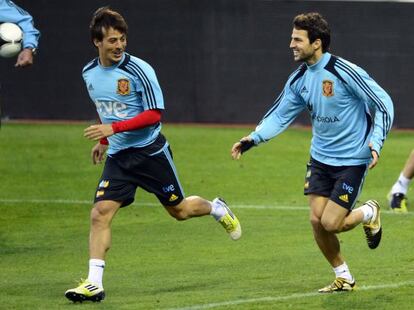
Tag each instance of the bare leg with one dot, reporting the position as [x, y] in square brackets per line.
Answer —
[408, 170]
[100, 231]
[326, 239]
[192, 206]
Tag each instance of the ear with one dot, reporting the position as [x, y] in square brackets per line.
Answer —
[96, 42]
[317, 44]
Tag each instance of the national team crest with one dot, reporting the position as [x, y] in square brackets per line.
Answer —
[327, 88]
[123, 87]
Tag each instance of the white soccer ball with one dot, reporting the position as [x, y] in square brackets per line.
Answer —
[10, 40]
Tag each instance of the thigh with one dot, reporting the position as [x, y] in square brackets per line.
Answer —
[317, 205]
[333, 216]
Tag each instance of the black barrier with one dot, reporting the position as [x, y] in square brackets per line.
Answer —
[218, 61]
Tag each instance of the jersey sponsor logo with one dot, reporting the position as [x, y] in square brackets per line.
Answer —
[173, 198]
[109, 108]
[325, 119]
[327, 88]
[344, 198]
[123, 87]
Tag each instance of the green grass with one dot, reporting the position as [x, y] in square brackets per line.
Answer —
[46, 176]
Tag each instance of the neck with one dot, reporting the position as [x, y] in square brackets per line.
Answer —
[315, 58]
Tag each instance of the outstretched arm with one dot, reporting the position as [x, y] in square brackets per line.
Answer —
[144, 119]
[284, 110]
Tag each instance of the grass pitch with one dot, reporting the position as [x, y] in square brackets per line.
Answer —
[47, 183]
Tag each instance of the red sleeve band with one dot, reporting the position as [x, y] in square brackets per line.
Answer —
[104, 141]
[144, 119]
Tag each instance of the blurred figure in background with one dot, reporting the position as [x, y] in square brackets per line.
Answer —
[11, 13]
[398, 195]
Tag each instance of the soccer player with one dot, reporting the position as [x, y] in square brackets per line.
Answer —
[129, 102]
[339, 96]
[398, 194]
[11, 13]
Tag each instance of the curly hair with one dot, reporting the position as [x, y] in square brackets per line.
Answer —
[316, 26]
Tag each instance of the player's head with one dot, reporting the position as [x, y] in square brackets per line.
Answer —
[311, 35]
[109, 34]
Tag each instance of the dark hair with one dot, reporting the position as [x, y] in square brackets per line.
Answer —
[105, 18]
[316, 26]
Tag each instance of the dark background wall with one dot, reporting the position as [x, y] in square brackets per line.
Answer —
[220, 61]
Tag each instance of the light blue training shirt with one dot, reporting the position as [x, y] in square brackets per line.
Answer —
[348, 110]
[121, 92]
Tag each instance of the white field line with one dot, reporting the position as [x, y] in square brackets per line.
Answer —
[151, 204]
[286, 297]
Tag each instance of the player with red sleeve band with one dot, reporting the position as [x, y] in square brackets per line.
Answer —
[144, 119]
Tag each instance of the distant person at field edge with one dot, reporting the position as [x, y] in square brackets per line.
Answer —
[11, 13]
[398, 194]
[129, 102]
[339, 96]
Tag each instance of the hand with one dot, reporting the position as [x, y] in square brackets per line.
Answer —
[97, 132]
[98, 152]
[374, 154]
[241, 146]
[25, 58]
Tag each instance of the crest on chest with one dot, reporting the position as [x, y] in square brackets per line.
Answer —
[123, 87]
[327, 88]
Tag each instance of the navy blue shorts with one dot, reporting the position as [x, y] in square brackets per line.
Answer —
[151, 168]
[341, 184]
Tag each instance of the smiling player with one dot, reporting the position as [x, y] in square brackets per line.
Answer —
[346, 141]
[129, 101]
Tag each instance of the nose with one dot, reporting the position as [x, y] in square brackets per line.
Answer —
[292, 44]
[118, 44]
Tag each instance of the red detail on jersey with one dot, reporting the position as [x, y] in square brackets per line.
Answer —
[144, 119]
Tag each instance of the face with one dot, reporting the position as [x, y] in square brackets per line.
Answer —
[302, 49]
[112, 46]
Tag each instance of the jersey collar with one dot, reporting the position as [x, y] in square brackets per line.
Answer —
[113, 66]
[321, 62]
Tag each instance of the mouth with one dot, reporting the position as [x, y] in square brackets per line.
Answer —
[117, 53]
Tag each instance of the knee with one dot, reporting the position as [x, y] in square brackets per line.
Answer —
[330, 226]
[178, 212]
[315, 222]
[98, 215]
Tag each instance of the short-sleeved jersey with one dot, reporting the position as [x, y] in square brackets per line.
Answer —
[121, 92]
[11, 13]
[340, 98]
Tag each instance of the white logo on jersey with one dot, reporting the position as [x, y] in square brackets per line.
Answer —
[109, 108]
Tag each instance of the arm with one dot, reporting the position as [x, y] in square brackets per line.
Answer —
[12, 13]
[98, 152]
[285, 109]
[365, 88]
[144, 119]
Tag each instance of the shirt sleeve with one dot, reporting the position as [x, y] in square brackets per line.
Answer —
[147, 83]
[377, 99]
[10, 12]
[285, 109]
